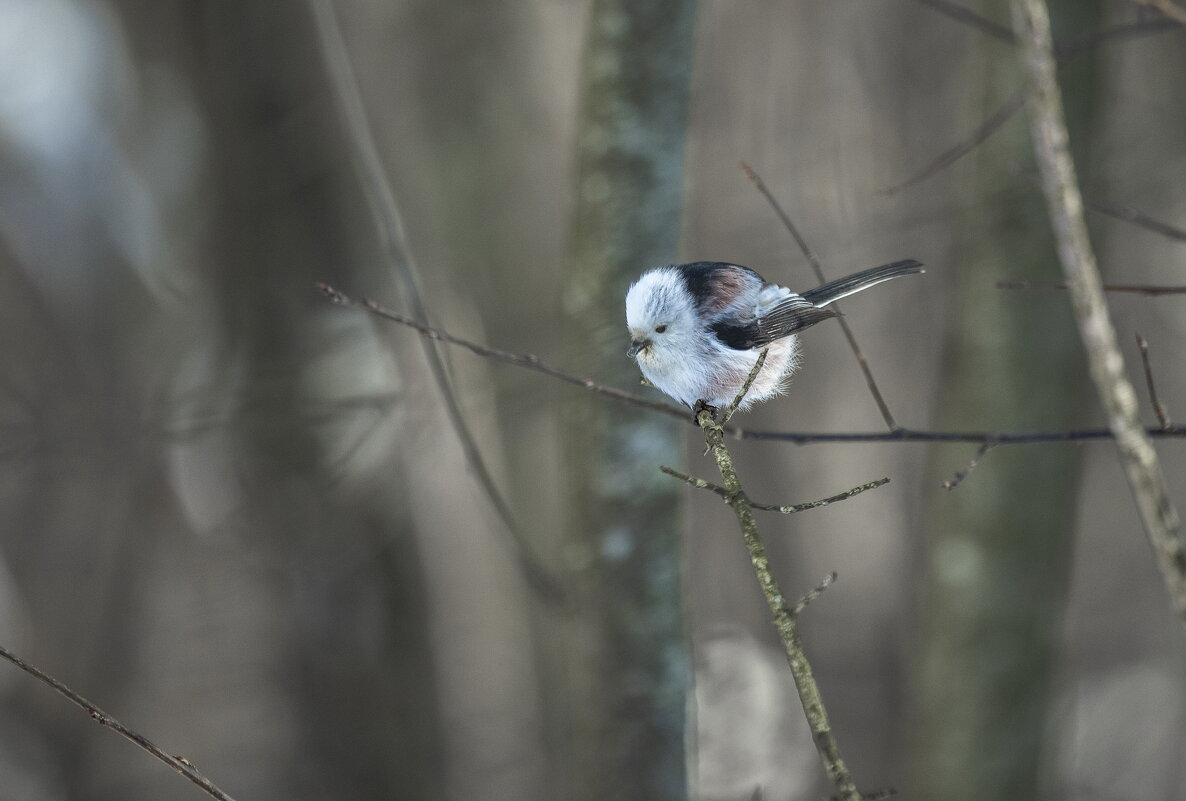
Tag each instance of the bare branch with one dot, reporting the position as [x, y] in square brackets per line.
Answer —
[840, 496]
[749, 382]
[915, 435]
[784, 617]
[700, 483]
[177, 763]
[1123, 213]
[1138, 457]
[818, 269]
[531, 362]
[815, 593]
[527, 361]
[1158, 406]
[1136, 217]
[1140, 289]
[959, 477]
[1002, 115]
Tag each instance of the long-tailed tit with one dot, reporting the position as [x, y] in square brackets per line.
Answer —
[697, 329]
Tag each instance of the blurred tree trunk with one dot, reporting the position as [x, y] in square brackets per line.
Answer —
[348, 659]
[998, 549]
[628, 652]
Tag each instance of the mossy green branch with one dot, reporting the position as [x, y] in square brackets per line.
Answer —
[784, 613]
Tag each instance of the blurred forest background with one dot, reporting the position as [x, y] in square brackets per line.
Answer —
[242, 520]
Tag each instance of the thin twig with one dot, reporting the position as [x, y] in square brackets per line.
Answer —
[784, 617]
[840, 496]
[1137, 218]
[529, 361]
[177, 763]
[815, 593]
[959, 477]
[1123, 213]
[700, 483]
[731, 409]
[915, 435]
[1139, 289]
[393, 237]
[1138, 457]
[1167, 7]
[1007, 111]
[818, 269]
[1158, 407]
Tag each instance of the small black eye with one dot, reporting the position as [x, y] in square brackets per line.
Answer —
[659, 329]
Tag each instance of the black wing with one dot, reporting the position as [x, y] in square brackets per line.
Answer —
[792, 315]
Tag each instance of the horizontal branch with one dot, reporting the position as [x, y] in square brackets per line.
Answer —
[1150, 290]
[179, 764]
[527, 361]
[979, 437]
[531, 362]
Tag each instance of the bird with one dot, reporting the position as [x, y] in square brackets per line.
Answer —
[696, 330]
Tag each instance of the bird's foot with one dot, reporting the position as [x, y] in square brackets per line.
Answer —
[703, 406]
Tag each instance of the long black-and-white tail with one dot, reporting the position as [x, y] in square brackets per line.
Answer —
[843, 287]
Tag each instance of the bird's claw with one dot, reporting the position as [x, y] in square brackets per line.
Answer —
[702, 406]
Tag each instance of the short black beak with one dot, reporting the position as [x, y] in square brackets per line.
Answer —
[636, 345]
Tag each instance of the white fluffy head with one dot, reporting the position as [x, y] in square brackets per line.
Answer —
[658, 304]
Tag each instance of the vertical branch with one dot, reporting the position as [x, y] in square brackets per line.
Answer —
[1158, 407]
[1031, 21]
[785, 615]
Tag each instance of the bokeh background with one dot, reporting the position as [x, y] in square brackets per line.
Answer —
[242, 520]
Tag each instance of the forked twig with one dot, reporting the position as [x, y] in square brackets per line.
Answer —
[818, 269]
[700, 483]
[784, 615]
[177, 763]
